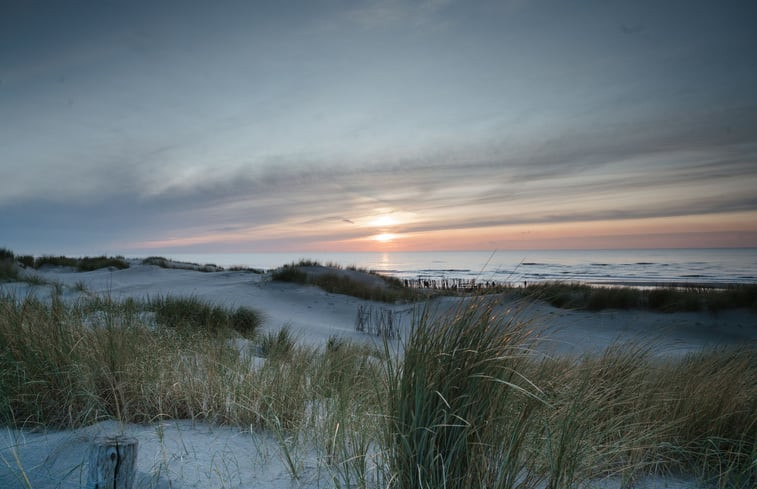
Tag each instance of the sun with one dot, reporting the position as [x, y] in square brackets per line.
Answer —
[384, 237]
[383, 221]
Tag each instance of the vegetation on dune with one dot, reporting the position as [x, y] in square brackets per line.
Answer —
[8, 271]
[6, 254]
[8, 267]
[194, 315]
[660, 299]
[459, 411]
[277, 343]
[467, 405]
[162, 262]
[290, 273]
[592, 297]
[340, 284]
[391, 289]
[82, 264]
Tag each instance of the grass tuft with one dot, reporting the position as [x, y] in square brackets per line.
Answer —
[193, 315]
[459, 411]
[277, 344]
[246, 321]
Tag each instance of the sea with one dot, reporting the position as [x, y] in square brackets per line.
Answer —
[631, 267]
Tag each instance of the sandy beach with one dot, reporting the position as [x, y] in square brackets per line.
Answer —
[186, 454]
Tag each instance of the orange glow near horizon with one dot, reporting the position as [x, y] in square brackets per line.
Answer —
[724, 230]
[384, 237]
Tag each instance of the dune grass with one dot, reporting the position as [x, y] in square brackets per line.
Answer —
[660, 299]
[163, 262]
[467, 405]
[459, 411]
[392, 290]
[82, 264]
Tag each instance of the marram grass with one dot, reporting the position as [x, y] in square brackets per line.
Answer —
[468, 404]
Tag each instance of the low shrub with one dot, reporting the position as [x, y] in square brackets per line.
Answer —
[246, 321]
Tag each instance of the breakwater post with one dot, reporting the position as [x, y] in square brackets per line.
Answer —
[112, 463]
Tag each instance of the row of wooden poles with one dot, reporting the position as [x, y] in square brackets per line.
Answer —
[459, 284]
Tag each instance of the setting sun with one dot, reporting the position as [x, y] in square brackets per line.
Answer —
[383, 221]
[384, 237]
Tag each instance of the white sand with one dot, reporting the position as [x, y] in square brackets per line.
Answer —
[187, 455]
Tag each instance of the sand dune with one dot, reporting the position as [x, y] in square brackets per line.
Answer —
[183, 454]
[315, 315]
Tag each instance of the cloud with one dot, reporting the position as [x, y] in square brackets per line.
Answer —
[468, 197]
[650, 174]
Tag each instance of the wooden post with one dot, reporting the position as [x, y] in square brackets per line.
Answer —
[112, 463]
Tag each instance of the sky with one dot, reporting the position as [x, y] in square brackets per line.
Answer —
[326, 125]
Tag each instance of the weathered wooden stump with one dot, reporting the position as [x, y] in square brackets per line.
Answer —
[112, 463]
